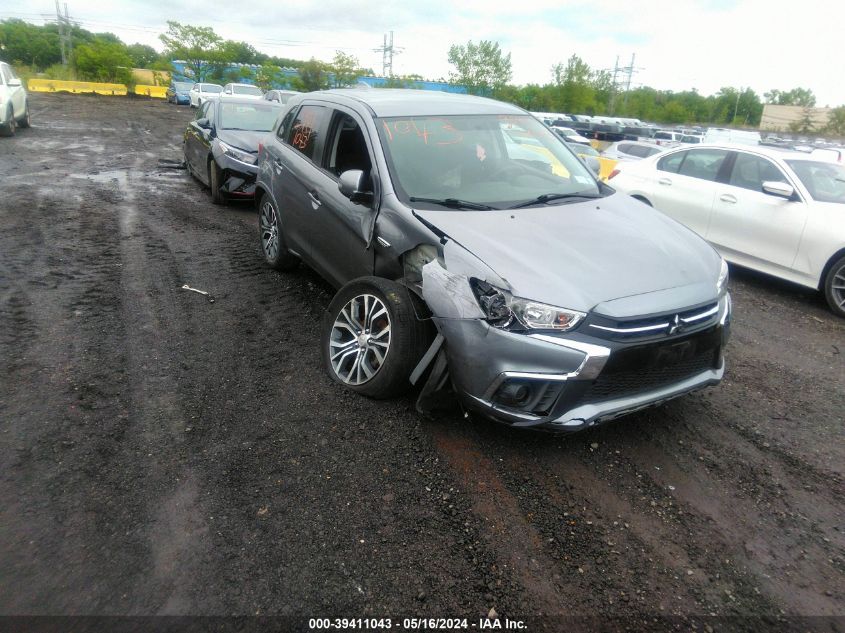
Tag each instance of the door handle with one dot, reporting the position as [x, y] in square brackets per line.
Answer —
[315, 199]
[726, 197]
[664, 181]
[279, 165]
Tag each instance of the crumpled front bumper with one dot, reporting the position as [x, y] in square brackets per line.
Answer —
[575, 381]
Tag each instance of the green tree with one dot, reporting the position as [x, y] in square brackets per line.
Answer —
[198, 46]
[143, 56]
[482, 67]
[269, 76]
[312, 76]
[836, 122]
[239, 53]
[344, 70]
[574, 87]
[804, 125]
[24, 43]
[103, 60]
[797, 96]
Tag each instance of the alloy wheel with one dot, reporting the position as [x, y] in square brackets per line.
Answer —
[269, 231]
[360, 339]
[837, 289]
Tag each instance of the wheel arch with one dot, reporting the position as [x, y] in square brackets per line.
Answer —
[828, 265]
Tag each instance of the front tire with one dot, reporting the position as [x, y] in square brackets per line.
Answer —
[272, 237]
[214, 179]
[9, 128]
[25, 121]
[371, 337]
[834, 287]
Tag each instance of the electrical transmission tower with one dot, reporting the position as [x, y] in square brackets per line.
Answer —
[626, 73]
[65, 30]
[387, 50]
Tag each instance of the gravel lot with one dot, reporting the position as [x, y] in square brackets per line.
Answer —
[160, 454]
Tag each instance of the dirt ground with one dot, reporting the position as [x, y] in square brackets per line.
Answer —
[160, 454]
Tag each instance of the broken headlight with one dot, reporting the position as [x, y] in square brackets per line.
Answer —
[238, 154]
[506, 311]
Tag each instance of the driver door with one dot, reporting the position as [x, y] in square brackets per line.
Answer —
[341, 228]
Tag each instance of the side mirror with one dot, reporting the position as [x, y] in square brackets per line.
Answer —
[779, 189]
[13, 83]
[351, 185]
[204, 123]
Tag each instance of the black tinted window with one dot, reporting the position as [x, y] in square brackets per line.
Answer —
[672, 162]
[625, 148]
[638, 150]
[703, 163]
[307, 128]
[750, 172]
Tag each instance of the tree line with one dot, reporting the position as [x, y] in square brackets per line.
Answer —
[575, 88]
[483, 68]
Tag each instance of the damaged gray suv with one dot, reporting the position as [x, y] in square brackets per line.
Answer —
[476, 254]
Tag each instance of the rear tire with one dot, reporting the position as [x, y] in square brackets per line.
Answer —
[371, 338]
[214, 180]
[272, 237]
[834, 287]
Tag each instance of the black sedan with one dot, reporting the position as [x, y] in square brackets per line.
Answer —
[221, 145]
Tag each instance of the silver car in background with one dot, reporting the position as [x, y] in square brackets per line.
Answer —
[476, 255]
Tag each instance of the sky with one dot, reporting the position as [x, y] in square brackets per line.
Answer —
[677, 44]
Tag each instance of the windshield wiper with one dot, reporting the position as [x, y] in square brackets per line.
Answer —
[548, 197]
[454, 203]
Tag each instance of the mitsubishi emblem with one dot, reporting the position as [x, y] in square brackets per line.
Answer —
[675, 325]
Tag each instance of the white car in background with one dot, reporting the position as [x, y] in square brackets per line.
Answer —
[779, 212]
[631, 150]
[204, 92]
[14, 107]
[569, 135]
[242, 91]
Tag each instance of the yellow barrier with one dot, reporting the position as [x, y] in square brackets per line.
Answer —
[56, 85]
[156, 92]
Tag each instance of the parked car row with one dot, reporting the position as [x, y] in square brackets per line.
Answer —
[194, 94]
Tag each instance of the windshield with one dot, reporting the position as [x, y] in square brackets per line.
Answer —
[247, 90]
[182, 85]
[494, 160]
[824, 181]
[257, 117]
[212, 88]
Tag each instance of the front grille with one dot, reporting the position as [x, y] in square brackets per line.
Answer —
[642, 368]
[682, 322]
[630, 382]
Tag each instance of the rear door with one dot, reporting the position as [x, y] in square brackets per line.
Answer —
[294, 154]
[751, 226]
[685, 185]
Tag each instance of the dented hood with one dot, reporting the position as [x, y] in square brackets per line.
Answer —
[582, 254]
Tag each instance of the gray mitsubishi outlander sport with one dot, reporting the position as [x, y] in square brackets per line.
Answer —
[475, 253]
